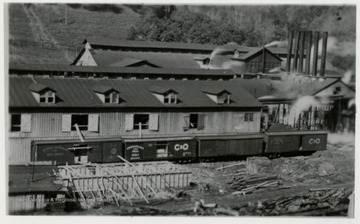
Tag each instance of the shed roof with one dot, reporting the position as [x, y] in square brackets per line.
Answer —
[78, 93]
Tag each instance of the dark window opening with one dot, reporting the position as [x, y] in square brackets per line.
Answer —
[249, 117]
[15, 122]
[337, 90]
[81, 120]
[141, 119]
[194, 119]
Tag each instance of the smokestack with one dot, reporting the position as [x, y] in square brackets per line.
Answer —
[301, 52]
[323, 54]
[290, 43]
[308, 52]
[263, 60]
[315, 57]
[296, 49]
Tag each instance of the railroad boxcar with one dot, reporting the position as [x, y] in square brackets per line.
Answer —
[71, 151]
[181, 149]
[233, 145]
[294, 141]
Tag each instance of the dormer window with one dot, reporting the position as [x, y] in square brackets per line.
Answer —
[47, 97]
[223, 98]
[42, 93]
[218, 95]
[170, 98]
[106, 94]
[112, 97]
[165, 94]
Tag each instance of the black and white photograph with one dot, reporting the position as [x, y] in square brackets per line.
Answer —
[238, 110]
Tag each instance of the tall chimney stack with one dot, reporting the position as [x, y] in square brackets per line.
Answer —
[323, 53]
[290, 43]
[308, 52]
[315, 56]
[301, 52]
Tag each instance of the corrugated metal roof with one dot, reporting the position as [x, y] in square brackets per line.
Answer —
[148, 44]
[161, 59]
[115, 70]
[77, 93]
[126, 62]
[102, 89]
[160, 89]
[37, 88]
[214, 90]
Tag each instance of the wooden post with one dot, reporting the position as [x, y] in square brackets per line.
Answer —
[296, 49]
[323, 53]
[290, 43]
[308, 52]
[315, 56]
[263, 60]
[301, 52]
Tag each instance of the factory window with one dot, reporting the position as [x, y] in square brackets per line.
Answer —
[194, 121]
[170, 98]
[47, 97]
[81, 120]
[15, 122]
[249, 117]
[141, 120]
[112, 97]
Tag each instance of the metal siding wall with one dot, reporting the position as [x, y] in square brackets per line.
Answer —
[48, 126]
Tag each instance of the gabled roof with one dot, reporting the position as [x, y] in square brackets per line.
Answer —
[161, 89]
[102, 88]
[160, 59]
[38, 88]
[78, 93]
[253, 52]
[171, 46]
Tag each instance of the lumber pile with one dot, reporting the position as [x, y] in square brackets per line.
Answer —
[316, 202]
[246, 184]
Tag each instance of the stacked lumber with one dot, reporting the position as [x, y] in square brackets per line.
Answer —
[247, 183]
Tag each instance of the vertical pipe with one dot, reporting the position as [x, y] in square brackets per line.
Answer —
[301, 52]
[263, 60]
[290, 43]
[323, 53]
[308, 52]
[315, 56]
[296, 49]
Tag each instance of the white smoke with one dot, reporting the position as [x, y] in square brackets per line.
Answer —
[347, 77]
[302, 104]
[338, 48]
[351, 103]
[283, 43]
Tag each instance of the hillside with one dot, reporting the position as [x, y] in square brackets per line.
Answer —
[52, 33]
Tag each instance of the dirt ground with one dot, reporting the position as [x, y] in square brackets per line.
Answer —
[313, 185]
